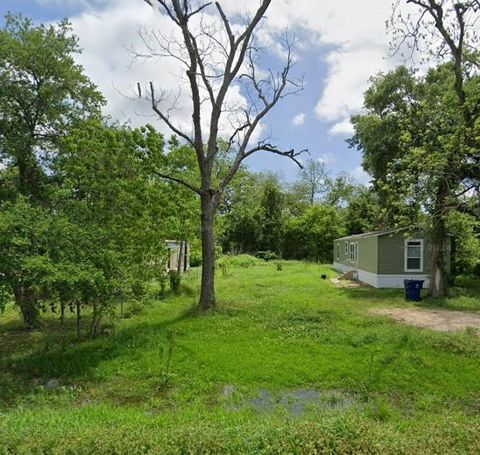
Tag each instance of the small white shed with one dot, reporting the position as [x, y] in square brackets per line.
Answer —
[179, 258]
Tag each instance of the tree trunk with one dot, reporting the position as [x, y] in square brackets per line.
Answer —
[207, 291]
[78, 320]
[438, 282]
[26, 300]
[96, 317]
[62, 312]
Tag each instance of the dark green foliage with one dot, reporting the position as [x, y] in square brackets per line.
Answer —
[162, 280]
[422, 156]
[175, 278]
[243, 260]
[272, 205]
[266, 255]
[311, 235]
[363, 212]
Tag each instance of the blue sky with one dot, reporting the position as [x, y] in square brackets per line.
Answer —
[341, 44]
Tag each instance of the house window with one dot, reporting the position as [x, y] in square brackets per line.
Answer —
[352, 252]
[346, 248]
[414, 255]
[338, 250]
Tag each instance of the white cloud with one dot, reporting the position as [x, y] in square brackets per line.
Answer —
[360, 175]
[353, 30]
[110, 64]
[344, 128]
[356, 32]
[299, 119]
[326, 158]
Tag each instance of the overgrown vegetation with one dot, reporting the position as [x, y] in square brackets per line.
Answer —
[287, 363]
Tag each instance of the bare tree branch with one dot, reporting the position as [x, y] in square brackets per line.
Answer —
[178, 180]
[165, 118]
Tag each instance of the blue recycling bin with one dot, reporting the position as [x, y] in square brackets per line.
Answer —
[413, 290]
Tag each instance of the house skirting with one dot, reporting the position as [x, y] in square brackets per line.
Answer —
[382, 281]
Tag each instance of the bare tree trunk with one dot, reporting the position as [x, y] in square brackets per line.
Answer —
[25, 299]
[438, 282]
[78, 320]
[62, 312]
[97, 315]
[237, 48]
[207, 292]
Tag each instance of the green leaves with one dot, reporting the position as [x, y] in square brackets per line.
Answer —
[43, 93]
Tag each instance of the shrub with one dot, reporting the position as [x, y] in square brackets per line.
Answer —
[195, 258]
[266, 255]
[224, 264]
[134, 308]
[175, 280]
[138, 289]
[163, 286]
[243, 260]
[279, 265]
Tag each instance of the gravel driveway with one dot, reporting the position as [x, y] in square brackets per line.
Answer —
[442, 320]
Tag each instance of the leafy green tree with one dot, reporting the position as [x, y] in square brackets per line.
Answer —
[441, 146]
[106, 188]
[241, 220]
[43, 93]
[24, 243]
[341, 190]
[434, 167]
[312, 181]
[362, 213]
[311, 235]
[272, 204]
[465, 231]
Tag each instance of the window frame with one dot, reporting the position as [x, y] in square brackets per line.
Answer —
[354, 251]
[405, 260]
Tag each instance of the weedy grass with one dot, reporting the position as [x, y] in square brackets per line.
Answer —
[287, 363]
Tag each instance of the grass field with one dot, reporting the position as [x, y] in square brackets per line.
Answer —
[288, 363]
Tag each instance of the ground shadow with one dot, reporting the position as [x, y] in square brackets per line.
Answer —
[67, 361]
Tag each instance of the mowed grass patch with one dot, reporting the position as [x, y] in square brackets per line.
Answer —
[172, 380]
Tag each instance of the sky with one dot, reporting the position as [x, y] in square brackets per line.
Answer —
[340, 44]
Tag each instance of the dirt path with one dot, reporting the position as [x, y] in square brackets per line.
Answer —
[442, 320]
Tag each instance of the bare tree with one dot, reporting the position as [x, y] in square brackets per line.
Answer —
[312, 180]
[218, 55]
[447, 31]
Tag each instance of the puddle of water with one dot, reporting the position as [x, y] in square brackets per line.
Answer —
[295, 401]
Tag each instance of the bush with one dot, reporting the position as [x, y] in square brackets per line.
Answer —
[224, 264]
[195, 258]
[266, 255]
[175, 280]
[279, 265]
[243, 260]
[163, 286]
[138, 289]
[134, 308]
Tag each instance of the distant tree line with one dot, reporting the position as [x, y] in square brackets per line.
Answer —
[263, 214]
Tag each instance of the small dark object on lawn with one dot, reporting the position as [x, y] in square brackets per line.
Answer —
[413, 289]
[324, 277]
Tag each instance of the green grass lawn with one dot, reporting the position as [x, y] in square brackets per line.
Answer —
[288, 363]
